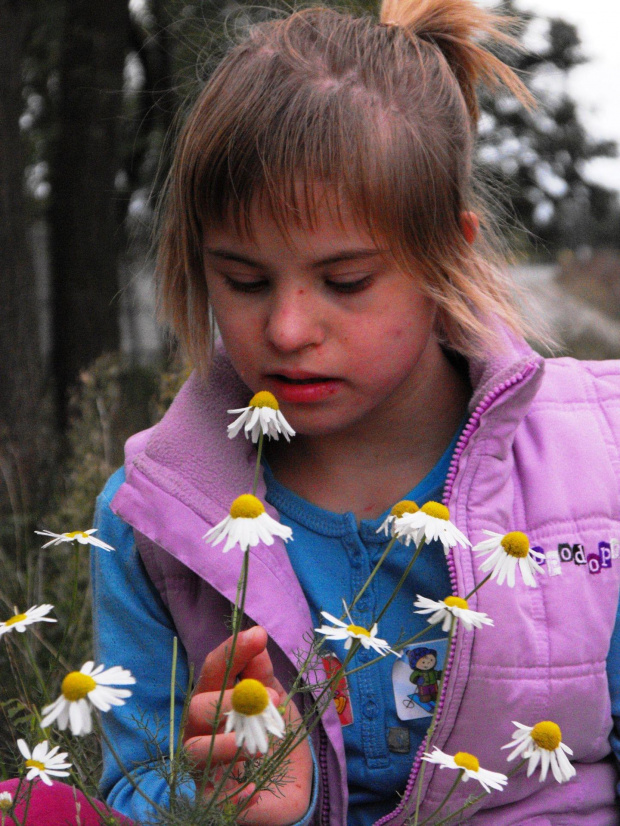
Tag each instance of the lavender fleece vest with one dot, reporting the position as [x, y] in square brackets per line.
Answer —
[540, 454]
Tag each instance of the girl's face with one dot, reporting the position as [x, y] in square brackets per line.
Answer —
[323, 319]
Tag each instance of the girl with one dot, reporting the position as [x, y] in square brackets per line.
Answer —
[322, 211]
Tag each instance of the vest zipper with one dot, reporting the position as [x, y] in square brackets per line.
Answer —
[324, 778]
[468, 431]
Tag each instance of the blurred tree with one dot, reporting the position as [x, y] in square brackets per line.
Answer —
[85, 228]
[20, 374]
[539, 158]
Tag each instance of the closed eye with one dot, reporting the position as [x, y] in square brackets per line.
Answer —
[246, 286]
[350, 287]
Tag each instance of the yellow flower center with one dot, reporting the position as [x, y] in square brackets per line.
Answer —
[250, 697]
[246, 506]
[357, 629]
[456, 602]
[547, 735]
[437, 510]
[516, 544]
[6, 801]
[35, 764]
[16, 618]
[76, 686]
[264, 399]
[466, 761]
[75, 534]
[404, 506]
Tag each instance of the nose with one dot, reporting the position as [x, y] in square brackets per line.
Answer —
[295, 320]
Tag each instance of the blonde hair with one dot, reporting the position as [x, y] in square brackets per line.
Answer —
[386, 112]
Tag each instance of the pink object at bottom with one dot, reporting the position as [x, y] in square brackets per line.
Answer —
[57, 805]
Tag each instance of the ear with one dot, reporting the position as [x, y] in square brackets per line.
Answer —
[470, 224]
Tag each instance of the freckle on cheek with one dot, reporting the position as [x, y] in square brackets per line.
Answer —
[300, 292]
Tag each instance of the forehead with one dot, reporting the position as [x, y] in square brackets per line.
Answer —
[315, 223]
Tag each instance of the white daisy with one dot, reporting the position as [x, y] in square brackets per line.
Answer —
[253, 716]
[399, 509]
[6, 801]
[542, 744]
[351, 632]
[470, 767]
[88, 684]
[506, 551]
[262, 415]
[44, 761]
[18, 622]
[83, 537]
[445, 609]
[246, 525]
[432, 521]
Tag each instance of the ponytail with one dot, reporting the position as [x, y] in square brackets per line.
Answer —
[454, 27]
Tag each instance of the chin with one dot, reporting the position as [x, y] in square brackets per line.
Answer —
[319, 423]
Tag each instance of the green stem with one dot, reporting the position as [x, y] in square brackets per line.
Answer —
[374, 572]
[185, 711]
[459, 777]
[173, 681]
[403, 578]
[431, 728]
[30, 656]
[219, 787]
[479, 585]
[259, 451]
[74, 600]
[237, 620]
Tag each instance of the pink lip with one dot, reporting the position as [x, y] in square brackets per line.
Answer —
[315, 388]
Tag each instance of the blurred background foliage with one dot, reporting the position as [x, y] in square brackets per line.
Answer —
[91, 95]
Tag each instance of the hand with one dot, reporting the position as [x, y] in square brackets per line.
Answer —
[290, 801]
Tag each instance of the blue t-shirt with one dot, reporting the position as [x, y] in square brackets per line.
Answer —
[385, 708]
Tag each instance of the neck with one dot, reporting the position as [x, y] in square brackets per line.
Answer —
[372, 464]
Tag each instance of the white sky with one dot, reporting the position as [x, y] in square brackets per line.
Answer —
[596, 84]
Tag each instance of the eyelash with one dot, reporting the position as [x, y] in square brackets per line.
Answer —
[342, 287]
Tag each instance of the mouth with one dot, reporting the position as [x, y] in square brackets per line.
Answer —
[298, 380]
[301, 387]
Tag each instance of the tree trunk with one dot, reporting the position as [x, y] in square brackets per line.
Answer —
[20, 359]
[85, 233]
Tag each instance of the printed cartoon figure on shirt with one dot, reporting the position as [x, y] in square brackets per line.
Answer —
[424, 676]
[416, 677]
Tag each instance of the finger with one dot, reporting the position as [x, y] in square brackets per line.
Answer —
[225, 750]
[202, 712]
[260, 668]
[249, 644]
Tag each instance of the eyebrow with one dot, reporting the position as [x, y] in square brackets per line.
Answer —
[348, 255]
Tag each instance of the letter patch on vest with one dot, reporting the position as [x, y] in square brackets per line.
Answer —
[576, 554]
[415, 678]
